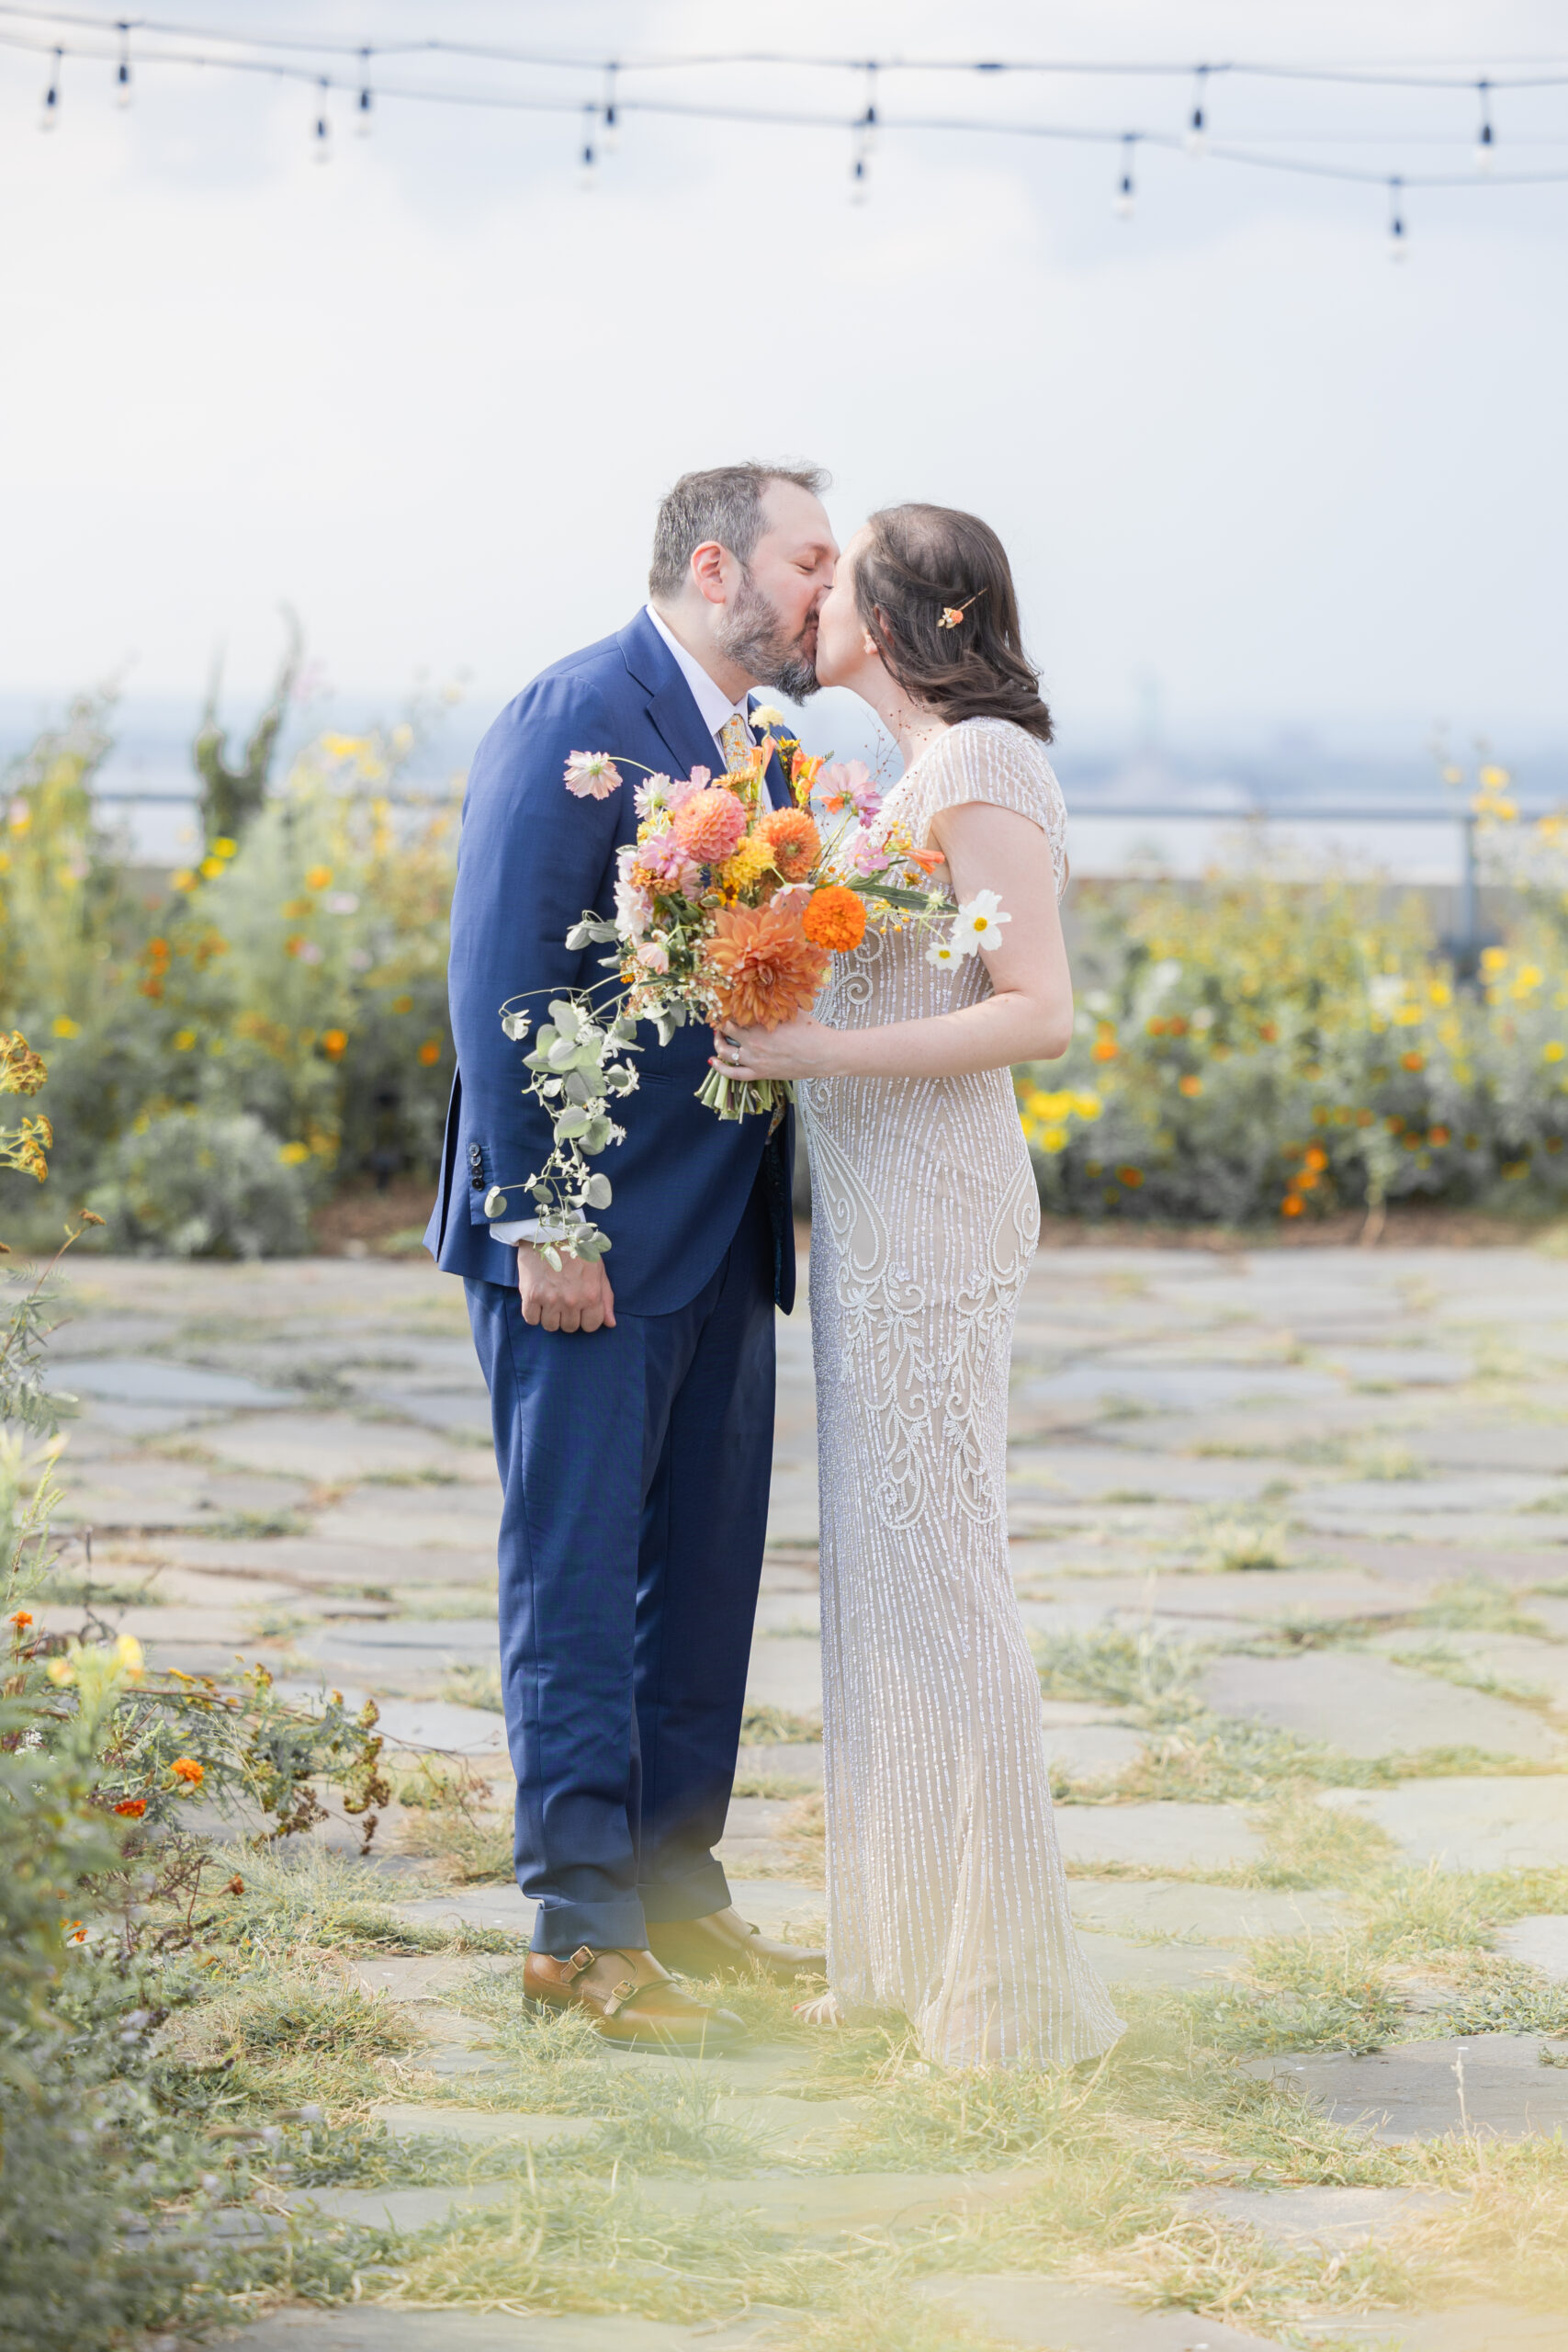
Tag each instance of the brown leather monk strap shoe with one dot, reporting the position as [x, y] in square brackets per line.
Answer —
[724, 1944]
[630, 1998]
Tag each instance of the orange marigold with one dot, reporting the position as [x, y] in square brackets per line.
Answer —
[765, 967]
[795, 840]
[133, 1807]
[835, 918]
[186, 1769]
[710, 825]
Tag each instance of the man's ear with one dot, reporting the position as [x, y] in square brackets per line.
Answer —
[708, 563]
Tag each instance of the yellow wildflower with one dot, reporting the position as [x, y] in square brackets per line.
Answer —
[292, 1154]
[184, 1040]
[63, 1027]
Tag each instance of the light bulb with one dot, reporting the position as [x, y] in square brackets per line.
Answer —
[588, 172]
[1127, 201]
[364, 121]
[859, 188]
[51, 114]
[1197, 139]
[1398, 243]
[123, 93]
[1486, 149]
[609, 131]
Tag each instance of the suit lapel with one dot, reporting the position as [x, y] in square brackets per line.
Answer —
[670, 707]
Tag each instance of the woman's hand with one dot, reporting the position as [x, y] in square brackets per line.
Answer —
[797, 1049]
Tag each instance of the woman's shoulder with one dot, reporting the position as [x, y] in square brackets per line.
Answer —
[977, 753]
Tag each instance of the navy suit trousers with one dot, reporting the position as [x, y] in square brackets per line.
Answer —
[634, 1466]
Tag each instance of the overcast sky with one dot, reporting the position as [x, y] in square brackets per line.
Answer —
[431, 392]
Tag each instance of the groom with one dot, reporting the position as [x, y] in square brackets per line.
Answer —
[632, 1397]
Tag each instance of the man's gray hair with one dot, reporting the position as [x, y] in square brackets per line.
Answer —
[726, 505]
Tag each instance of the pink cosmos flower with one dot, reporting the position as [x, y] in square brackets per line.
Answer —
[847, 785]
[863, 852]
[592, 775]
[652, 957]
[695, 782]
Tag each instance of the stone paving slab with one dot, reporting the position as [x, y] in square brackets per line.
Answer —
[1540, 1942]
[1412, 2091]
[1059, 2318]
[1169, 1834]
[1263, 1594]
[335, 1446]
[785, 1673]
[1093, 1751]
[1513, 1822]
[373, 2327]
[479, 2127]
[1368, 1706]
[304, 1561]
[1172, 1908]
[833, 2202]
[1157, 1967]
[1327, 2217]
[1518, 1658]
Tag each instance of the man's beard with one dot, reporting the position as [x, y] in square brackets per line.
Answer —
[753, 638]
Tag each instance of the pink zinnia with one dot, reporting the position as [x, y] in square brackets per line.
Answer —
[710, 825]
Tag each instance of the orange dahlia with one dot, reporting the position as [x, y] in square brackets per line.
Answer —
[795, 840]
[765, 967]
[835, 918]
[710, 825]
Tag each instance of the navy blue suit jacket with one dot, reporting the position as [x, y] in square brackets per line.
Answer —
[531, 859]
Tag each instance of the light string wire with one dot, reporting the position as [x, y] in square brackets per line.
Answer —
[1374, 77]
[863, 127]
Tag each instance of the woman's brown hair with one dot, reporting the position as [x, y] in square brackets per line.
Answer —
[920, 565]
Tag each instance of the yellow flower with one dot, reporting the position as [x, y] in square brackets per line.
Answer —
[1087, 1105]
[1190, 1084]
[64, 1026]
[184, 1040]
[1494, 959]
[1553, 1050]
[210, 869]
[751, 861]
[318, 878]
[402, 1004]
[1440, 993]
[184, 880]
[22, 817]
[128, 1656]
[292, 1154]
[61, 1672]
[1051, 1138]
[224, 847]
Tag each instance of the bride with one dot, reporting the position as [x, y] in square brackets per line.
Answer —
[946, 1897]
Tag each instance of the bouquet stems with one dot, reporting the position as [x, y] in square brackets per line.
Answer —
[738, 1097]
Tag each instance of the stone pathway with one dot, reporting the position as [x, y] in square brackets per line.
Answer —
[1317, 1497]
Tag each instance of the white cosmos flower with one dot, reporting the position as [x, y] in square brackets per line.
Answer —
[943, 953]
[977, 923]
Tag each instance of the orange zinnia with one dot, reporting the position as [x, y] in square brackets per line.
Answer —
[795, 840]
[835, 918]
[766, 968]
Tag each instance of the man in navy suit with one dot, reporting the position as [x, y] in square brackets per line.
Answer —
[632, 1397]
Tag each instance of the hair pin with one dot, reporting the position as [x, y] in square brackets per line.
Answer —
[952, 614]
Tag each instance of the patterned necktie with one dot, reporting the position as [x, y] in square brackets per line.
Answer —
[735, 740]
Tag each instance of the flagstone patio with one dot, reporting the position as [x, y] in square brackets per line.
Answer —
[1323, 1494]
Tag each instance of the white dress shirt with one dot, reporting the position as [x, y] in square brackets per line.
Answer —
[716, 710]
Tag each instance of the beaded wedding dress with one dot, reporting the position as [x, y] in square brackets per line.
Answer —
[946, 1897]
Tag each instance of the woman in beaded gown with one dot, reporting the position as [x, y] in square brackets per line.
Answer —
[946, 1897]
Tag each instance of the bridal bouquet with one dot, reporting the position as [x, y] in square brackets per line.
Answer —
[726, 909]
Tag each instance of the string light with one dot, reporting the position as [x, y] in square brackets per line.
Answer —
[610, 129]
[589, 172]
[1197, 129]
[1126, 194]
[51, 114]
[323, 140]
[869, 126]
[1398, 245]
[122, 79]
[1485, 150]
[364, 112]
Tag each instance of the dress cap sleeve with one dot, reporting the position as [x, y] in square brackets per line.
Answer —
[990, 759]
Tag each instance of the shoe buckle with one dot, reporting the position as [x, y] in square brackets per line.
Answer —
[580, 1958]
[621, 1996]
